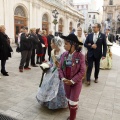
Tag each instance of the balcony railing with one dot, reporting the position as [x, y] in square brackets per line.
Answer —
[58, 3]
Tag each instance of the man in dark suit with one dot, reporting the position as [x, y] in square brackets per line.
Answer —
[94, 44]
[49, 38]
[109, 35]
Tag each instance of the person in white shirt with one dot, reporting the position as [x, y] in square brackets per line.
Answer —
[19, 36]
[81, 38]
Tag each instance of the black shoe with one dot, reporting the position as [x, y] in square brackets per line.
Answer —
[96, 80]
[5, 74]
[88, 83]
[37, 62]
[4, 71]
[34, 65]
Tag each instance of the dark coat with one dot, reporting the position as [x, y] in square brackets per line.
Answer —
[101, 43]
[35, 40]
[5, 48]
[49, 38]
[26, 42]
[39, 49]
[117, 37]
[111, 38]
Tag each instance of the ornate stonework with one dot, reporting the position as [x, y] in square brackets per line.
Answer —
[111, 12]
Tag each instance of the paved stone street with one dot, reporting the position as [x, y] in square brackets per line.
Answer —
[98, 102]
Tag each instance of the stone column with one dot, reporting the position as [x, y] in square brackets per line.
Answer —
[30, 14]
[66, 25]
[9, 19]
[2, 11]
[38, 16]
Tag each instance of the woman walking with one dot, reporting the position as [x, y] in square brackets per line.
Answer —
[51, 93]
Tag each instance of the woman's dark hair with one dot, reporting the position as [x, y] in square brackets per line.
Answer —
[37, 30]
[78, 48]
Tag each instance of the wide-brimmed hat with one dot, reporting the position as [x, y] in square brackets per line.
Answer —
[73, 38]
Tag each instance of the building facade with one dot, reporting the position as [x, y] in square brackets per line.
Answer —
[93, 17]
[83, 8]
[111, 16]
[90, 11]
[38, 14]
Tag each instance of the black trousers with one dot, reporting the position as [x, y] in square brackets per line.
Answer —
[39, 59]
[49, 52]
[43, 58]
[3, 62]
[33, 57]
[92, 60]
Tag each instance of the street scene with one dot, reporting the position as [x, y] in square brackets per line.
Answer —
[97, 102]
[60, 60]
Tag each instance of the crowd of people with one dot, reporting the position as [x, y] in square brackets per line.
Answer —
[70, 61]
[33, 46]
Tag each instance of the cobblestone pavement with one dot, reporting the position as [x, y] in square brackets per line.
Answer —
[98, 102]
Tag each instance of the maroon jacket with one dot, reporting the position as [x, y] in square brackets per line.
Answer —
[77, 70]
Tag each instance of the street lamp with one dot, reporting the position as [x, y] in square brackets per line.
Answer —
[79, 23]
[55, 15]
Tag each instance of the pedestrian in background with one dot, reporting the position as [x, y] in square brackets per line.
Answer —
[35, 41]
[40, 48]
[49, 38]
[109, 35]
[5, 49]
[26, 50]
[73, 31]
[45, 43]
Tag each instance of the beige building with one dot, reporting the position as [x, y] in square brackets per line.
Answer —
[111, 15]
[91, 12]
[38, 13]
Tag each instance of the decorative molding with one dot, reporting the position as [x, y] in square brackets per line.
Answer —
[36, 5]
[27, 1]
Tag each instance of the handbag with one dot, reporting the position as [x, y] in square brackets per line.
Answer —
[18, 49]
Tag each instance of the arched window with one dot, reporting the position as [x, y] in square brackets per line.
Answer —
[19, 11]
[45, 18]
[20, 19]
[60, 25]
[45, 23]
[111, 2]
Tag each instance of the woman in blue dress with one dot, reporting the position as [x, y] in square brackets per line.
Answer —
[51, 93]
